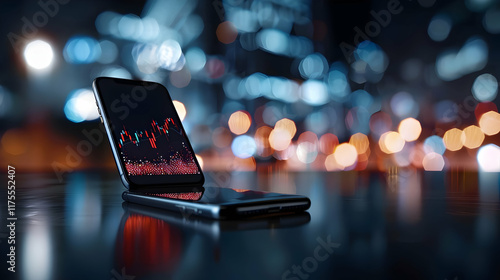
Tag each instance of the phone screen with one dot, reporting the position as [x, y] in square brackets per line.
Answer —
[147, 133]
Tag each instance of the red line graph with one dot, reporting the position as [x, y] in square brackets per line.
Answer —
[168, 126]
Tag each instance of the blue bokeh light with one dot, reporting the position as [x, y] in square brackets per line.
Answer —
[434, 144]
[82, 50]
[244, 146]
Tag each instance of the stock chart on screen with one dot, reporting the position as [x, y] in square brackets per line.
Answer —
[159, 148]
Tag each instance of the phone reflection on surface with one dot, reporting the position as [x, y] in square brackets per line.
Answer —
[186, 196]
[153, 241]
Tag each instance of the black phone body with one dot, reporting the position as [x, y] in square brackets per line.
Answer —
[222, 203]
[148, 141]
[157, 163]
[213, 227]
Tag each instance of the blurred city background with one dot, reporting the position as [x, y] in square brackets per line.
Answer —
[296, 85]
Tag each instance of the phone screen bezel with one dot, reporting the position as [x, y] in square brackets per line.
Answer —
[141, 183]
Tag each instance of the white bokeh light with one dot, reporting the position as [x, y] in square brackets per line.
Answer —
[81, 106]
[488, 158]
[38, 54]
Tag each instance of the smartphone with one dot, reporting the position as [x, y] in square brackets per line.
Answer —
[222, 203]
[147, 138]
[213, 227]
[156, 162]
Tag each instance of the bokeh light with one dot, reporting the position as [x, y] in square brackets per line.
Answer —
[262, 140]
[488, 158]
[345, 155]
[14, 142]
[314, 92]
[331, 164]
[279, 139]
[306, 152]
[485, 88]
[453, 139]
[286, 125]
[484, 107]
[472, 137]
[170, 56]
[433, 162]
[434, 144]
[327, 143]
[410, 129]
[285, 95]
[243, 146]
[337, 82]
[273, 41]
[239, 122]
[452, 64]
[391, 142]
[226, 32]
[439, 27]
[491, 21]
[180, 108]
[200, 161]
[80, 106]
[82, 50]
[307, 147]
[490, 123]
[38, 54]
[195, 59]
[360, 142]
[403, 105]
[313, 66]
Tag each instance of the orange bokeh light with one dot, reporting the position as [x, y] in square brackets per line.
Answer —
[360, 142]
[410, 129]
[180, 108]
[279, 139]
[453, 139]
[287, 125]
[490, 123]
[239, 122]
[472, 137]
[226, 32]
[331, 164]
[391, 142]
[221, 137]
[262, 141]
[345, 155]
[14, 142]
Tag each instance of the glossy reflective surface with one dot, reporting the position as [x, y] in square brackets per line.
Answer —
[400, 225]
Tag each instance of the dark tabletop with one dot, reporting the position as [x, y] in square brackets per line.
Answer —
[402, 224]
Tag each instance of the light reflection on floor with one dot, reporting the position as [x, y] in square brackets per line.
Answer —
[402, 224]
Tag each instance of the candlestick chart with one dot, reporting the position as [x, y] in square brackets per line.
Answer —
[157, 149]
